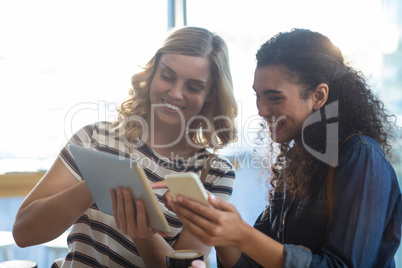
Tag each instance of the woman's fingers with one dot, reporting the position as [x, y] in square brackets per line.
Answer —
[137, 223]
[197, 217]
[113, 196]
[202, 228]
[130, 212]
[212, 225]
[121, 211]
[158, 185]
[143, 231]
[168, 198]
[130, 215]
[207, 212]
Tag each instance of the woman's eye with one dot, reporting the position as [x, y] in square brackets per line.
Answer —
[166, 77]
[274, 99]
[194, 88]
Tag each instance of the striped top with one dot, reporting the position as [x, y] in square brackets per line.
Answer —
[94, 240]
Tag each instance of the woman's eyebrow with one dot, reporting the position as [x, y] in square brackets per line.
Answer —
[272, 91]
[269, 91]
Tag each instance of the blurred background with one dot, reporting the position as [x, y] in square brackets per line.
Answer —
[65, 64]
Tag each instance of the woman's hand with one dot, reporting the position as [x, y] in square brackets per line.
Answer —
[220, 225]
[130, 217]
[167, 196]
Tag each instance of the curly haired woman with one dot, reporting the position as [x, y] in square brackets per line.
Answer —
[335, 199]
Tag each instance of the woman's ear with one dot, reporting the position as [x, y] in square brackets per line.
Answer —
[320, 96]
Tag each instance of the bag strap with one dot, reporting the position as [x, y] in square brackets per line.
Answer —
[207, 167]
[330, 177]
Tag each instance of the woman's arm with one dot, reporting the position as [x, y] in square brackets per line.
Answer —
[228, 256]
[222, 226]
[53, 205]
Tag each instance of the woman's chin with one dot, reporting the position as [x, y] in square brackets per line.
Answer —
[278, 138]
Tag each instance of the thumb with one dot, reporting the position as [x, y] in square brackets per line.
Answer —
[158, 185]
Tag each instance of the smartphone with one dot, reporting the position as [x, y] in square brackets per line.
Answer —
[187, 184]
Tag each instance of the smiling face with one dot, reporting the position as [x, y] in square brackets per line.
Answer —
[180, 87]
[279, 102]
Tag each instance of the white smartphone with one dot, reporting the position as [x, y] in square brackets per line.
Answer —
[187, 184]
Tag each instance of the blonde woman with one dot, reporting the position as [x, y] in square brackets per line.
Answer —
[179, 105]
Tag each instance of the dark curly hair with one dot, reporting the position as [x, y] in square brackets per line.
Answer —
[310, 59]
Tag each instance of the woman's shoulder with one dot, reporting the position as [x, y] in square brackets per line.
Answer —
[363, 155]
[361, 144]
[98, 133]
[99, 128]
[102, 127]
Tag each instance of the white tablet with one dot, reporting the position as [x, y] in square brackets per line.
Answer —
[103, 171]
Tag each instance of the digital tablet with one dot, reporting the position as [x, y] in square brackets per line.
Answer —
[103, 171]
[187, 184]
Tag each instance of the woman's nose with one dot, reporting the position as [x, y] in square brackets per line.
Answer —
[176, 91]
[263, 109]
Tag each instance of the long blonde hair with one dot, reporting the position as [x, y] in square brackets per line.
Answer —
[221, 112]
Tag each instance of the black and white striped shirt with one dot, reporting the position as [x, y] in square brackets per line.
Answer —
[94, 239]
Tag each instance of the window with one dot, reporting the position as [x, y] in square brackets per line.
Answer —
[65, 64]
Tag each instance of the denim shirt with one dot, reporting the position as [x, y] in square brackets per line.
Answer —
[364, 227]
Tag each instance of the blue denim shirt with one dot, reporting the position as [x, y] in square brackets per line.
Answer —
[364, 227]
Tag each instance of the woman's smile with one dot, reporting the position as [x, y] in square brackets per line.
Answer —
[277, 125]
[171, 108]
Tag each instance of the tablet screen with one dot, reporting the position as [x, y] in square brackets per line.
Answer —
[103, 171]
